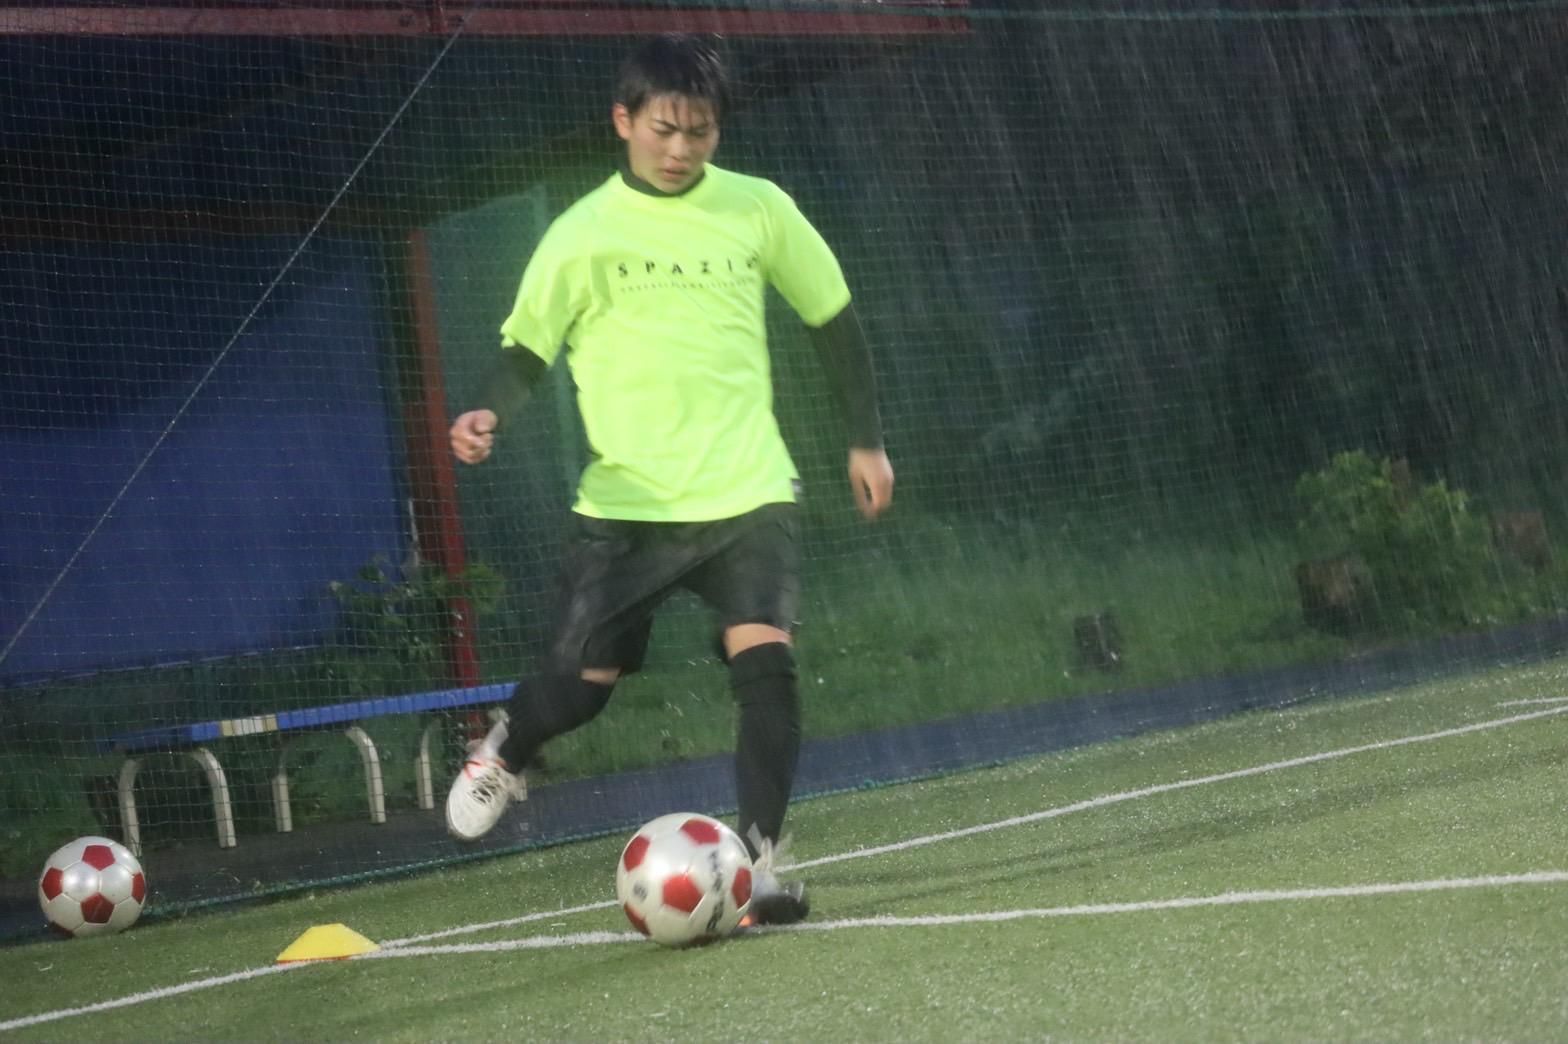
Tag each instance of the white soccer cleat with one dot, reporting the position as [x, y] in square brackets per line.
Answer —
[482, 790]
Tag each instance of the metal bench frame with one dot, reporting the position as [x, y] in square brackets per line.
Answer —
[196, 740]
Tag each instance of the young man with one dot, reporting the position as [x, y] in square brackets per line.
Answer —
[655, 282]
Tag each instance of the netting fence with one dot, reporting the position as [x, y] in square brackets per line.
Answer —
[1220, 350]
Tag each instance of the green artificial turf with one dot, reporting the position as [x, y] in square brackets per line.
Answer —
[1235, 938]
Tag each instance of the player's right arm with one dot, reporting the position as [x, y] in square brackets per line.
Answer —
[506, 388]
[553, 293]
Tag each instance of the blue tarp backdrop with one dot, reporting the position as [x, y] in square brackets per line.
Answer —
[280, 475]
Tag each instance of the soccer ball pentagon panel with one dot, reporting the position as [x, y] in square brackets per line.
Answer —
[92, 886]
[684, 878]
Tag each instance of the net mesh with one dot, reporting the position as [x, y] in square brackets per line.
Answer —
[1220, 355]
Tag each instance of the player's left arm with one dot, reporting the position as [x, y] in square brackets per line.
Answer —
[803, 268]
[845, 355]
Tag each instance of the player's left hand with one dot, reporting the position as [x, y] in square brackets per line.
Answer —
[871, 480]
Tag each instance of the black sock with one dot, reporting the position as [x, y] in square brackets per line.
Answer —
[549, 707]
[767, 743]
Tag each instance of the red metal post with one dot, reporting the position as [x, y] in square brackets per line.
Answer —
[437, 522]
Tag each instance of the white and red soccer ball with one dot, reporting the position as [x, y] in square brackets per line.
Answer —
[92, 886]
[684, 878]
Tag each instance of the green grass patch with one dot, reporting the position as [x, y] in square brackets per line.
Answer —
[956, 633]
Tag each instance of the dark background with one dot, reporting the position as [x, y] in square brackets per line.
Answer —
[1123, 275]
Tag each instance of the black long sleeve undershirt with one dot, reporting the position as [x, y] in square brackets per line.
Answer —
[846, 359]
[840, 344]
[510, 382]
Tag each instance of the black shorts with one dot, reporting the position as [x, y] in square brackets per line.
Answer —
[616, 573]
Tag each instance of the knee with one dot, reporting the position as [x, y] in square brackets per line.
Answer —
[563, 673]
[738, 638]
[589, 694]
[572, 701]
[768, 669]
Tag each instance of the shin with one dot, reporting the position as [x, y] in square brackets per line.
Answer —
[768, 740]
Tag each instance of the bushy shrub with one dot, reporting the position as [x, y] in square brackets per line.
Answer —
[1428, 553]
[393, 623]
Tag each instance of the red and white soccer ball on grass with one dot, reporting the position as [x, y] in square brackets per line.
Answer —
[92, 886]
[684, 878]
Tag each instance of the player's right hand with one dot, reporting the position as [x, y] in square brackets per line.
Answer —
[473, 435]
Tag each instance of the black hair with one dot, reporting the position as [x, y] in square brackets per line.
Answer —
[673, 63]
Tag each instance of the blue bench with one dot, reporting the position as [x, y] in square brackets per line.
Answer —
[196, 740]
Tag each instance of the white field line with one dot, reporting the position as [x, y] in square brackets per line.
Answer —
[532, 942]
[1035, 817]
[1536, 877]
[509, 922]
[550, 942]
[148, 995]
[542, 942]
[1166, 788]
[393, 947]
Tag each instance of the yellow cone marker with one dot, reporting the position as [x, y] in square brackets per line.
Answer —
[327, 942]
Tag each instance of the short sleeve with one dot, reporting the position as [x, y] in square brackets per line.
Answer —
[801, 265]
[550, 298]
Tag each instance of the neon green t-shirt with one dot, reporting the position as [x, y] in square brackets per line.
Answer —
[660, 301]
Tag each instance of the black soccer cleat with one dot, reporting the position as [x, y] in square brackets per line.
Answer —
[779, 904]
[773, 901]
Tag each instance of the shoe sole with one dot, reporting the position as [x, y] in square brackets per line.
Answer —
[777, 909]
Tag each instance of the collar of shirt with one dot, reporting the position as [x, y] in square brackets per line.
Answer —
[635, 183]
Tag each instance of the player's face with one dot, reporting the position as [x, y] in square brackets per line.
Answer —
[669, 140]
